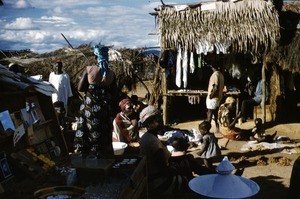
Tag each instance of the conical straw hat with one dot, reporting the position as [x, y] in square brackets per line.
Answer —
[224, 184]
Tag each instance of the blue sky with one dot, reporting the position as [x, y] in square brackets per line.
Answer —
[37, 24]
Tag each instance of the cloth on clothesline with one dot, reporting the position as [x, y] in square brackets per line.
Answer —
[178, 68]
[194, 99]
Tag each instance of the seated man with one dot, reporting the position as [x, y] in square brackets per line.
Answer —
[248, 104]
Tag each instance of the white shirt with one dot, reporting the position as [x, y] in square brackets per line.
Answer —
[62, 84]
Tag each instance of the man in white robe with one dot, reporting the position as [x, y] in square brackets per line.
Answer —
[61, 81]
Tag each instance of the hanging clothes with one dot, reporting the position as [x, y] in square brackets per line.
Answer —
[192, 63]
[178, 68]
[185, 68]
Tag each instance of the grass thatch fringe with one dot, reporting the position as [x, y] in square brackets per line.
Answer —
[287, 57]
[249, 25]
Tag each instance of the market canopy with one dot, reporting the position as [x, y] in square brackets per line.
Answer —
[243, 26]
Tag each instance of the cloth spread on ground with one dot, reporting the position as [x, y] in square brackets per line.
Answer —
[289, 148]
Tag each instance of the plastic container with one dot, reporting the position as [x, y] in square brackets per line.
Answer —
[119, 147]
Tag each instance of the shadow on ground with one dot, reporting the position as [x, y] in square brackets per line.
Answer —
[270, 183]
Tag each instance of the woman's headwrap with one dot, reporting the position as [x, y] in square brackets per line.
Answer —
[124, 103]
[148, 112]
[101, 52]
[229, 100]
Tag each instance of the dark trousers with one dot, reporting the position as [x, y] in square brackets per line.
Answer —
[247, 108]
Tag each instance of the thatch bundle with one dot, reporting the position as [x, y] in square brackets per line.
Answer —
[287, 54]
[129, 65]
[248, 25]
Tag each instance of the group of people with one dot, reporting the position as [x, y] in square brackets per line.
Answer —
[225, 114]
[169, 172]
[98, 123]
[97, 128]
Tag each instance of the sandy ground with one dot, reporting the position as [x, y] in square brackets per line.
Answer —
[272, 177]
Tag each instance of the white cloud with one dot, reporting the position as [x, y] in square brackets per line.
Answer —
[26, 36]
[119, 23]
[58, 10]
[20, 23]
[18, 4]
[55, 20]
[22, 4]
[62, 3]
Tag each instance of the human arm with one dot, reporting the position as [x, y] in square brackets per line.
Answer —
[231, 123]
[83, 82]
[213, 91]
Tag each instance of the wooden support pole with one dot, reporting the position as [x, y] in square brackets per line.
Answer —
[165, 97]
[263, 101]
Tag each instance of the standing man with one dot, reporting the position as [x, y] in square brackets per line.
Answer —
[214, 95]
[61, 82]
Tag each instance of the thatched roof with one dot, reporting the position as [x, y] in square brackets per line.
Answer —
[287, 53]
[248, 25]
[128, 64]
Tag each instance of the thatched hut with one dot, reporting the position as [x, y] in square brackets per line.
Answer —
[285, 64]
[247, 28]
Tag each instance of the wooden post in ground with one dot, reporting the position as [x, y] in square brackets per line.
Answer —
[263, 101]
[165, 97]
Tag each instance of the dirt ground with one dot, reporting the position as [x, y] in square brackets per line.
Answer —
[272, 177]
[270, 168]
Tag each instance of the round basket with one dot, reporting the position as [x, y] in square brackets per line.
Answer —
[59, 191]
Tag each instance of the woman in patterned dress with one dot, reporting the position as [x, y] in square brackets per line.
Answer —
[94, 133]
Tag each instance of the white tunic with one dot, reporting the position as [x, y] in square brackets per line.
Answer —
[62, 84]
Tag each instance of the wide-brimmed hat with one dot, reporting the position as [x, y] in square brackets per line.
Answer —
[224, 184]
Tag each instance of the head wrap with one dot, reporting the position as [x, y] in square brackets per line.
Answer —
[148, 112]
[102, 57]
[123, 103]
[58, 60]
[229, 100]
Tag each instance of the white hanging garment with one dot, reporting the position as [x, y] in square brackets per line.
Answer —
[192, 63]
[185, 68]
[178, 68]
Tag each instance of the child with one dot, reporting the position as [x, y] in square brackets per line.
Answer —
[210, 148]
[258, 132]
[185, 164]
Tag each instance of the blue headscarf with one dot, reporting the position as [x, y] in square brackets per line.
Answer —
[101, 52]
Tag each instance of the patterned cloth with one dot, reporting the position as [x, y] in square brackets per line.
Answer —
[94, 134]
